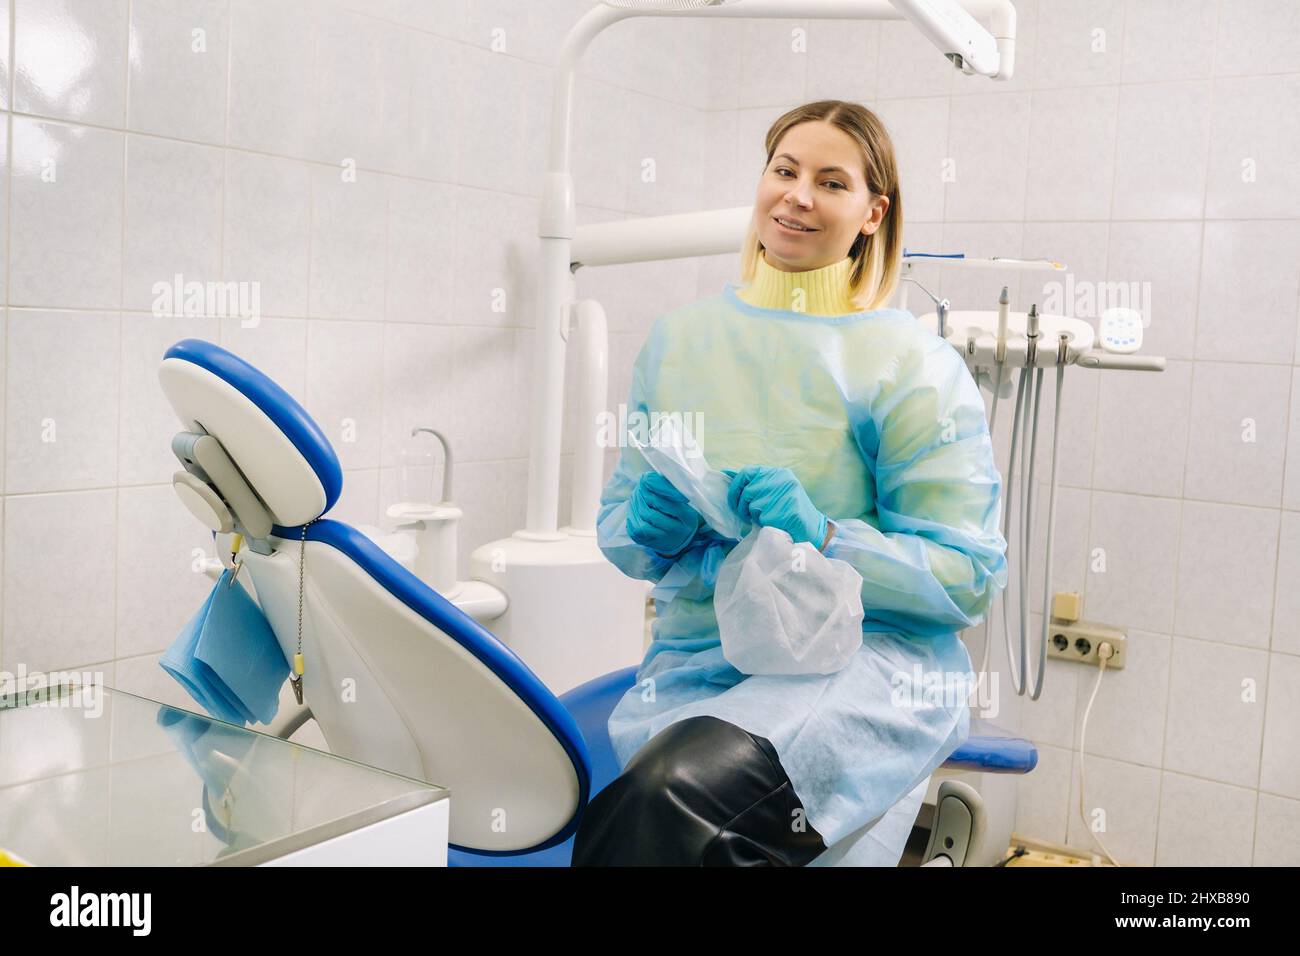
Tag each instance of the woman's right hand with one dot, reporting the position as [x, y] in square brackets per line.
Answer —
[659, 516]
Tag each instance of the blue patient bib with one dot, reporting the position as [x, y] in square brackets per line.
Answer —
[228, 659]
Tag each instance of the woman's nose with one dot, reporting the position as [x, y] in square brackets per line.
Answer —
[799, 193]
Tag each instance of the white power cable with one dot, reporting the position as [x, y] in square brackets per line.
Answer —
[1105, 652]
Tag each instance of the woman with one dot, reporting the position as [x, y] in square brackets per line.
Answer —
[851, 427]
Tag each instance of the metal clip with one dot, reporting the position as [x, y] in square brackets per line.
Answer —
[235, 543]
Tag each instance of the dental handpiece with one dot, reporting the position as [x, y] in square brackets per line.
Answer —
[1004, 305]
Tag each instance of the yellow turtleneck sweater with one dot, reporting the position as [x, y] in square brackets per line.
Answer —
[825, 290]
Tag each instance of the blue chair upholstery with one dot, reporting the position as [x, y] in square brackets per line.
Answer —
[591, 704]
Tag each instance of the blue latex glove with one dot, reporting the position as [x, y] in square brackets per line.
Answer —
[773, 498]
[659, 517]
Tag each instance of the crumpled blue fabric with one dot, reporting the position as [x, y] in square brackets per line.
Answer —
[228, 659]
[883, 425]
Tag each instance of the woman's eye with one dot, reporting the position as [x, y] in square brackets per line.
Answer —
[831, 181]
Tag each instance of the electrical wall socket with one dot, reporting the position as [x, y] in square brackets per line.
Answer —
[1079, 642]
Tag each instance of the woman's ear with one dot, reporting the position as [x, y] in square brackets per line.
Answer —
[879, 206]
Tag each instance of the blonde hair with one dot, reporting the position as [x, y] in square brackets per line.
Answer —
[877, 257]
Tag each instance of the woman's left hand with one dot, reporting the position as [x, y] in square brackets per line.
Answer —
[773, 498]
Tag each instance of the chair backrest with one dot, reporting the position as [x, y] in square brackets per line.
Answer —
[396, 676]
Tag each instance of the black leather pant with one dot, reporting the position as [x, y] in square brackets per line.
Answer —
[701, 792]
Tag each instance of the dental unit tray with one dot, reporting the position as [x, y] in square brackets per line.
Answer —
[974, 335]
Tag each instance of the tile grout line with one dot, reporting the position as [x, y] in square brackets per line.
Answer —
[1272, 623]
[1164, 737]
[121, 343]
[11, 15]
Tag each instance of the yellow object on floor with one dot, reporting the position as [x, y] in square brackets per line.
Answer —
[1020, 855]
[9, 859]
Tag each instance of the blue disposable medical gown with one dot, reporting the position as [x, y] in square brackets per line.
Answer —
[884, 426]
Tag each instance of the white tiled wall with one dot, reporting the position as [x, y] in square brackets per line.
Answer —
[1119, 147]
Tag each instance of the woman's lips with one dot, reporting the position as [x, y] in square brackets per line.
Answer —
[792, 232]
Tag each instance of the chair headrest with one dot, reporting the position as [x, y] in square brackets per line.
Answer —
[282, 452]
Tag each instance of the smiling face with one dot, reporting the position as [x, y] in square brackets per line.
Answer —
[815, 179]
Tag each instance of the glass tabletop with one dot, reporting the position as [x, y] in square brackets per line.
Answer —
[91, 776]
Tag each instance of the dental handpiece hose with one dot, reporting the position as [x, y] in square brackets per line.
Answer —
[1051, 524]
[1016, 430]
[1029, 449]
[1004, 304]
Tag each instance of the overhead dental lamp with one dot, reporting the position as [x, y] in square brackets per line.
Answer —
[948, 24]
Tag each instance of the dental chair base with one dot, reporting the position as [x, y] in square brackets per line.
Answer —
[996, 793]
[959, 832]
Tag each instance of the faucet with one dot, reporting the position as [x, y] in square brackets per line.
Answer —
[940, 306]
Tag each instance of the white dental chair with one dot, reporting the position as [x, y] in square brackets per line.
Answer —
[395, 675]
